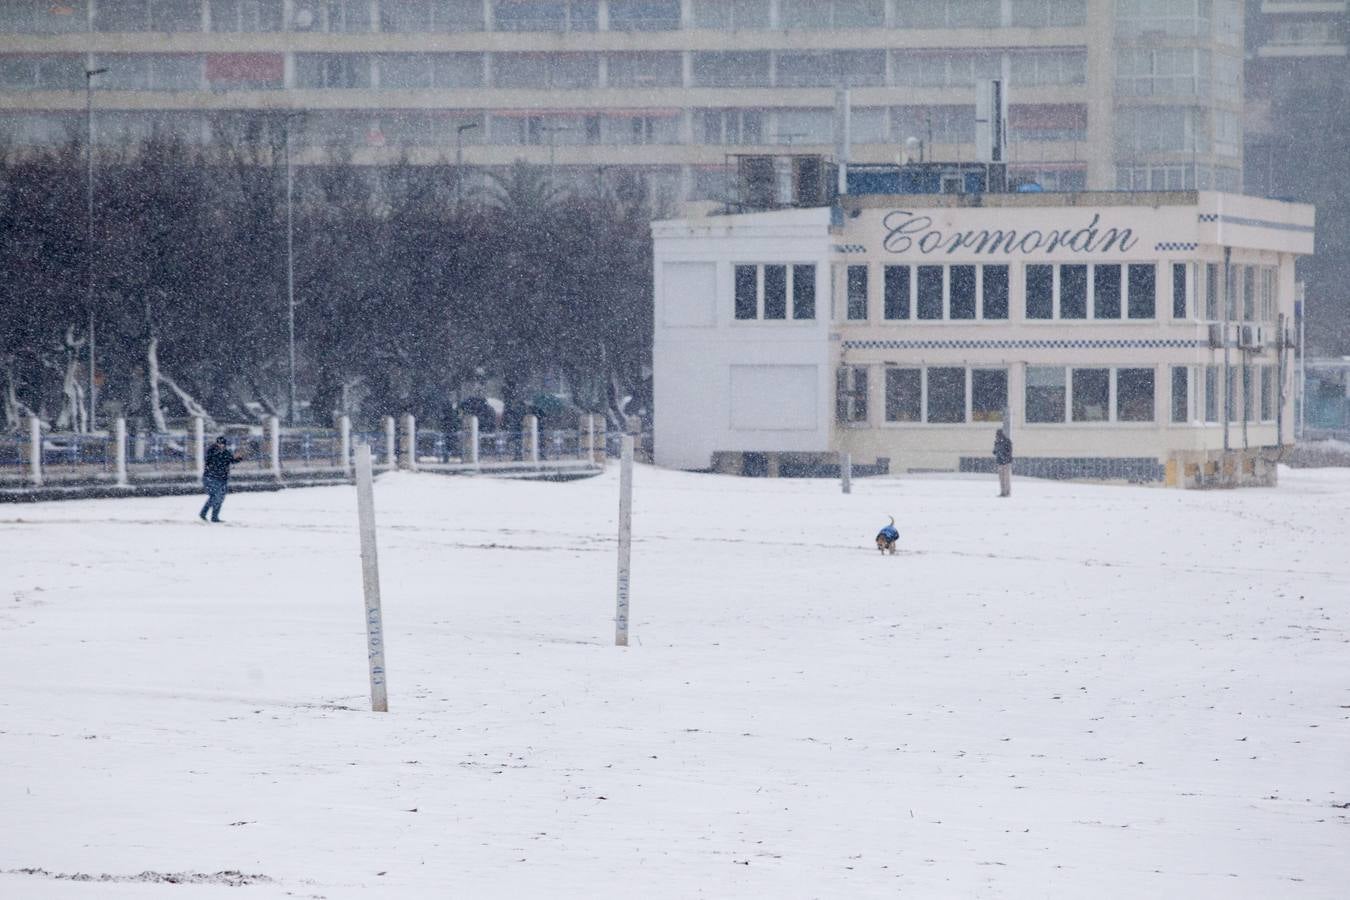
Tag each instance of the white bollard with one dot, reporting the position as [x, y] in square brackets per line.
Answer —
[625, 540]
[370, 580]
[198, 445]
[532, 439]
[390, 443]
[274, 445]
[846, 472]
[470, 451]
[345, 443]
[410, 442]
[35, 450]
[120, 450]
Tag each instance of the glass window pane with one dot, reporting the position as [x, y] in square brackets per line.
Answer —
[1211, 393]
[903, 396]
[1040, 288]
[775, 292]
[995, 292]
[1178, 290]
[897, 292]
[1212, 291]
[1180, 394]
[1134, 395]
[963, 292]
[1143, 284]
[1073, 292]
[1045, 394]
[1091, 395]
[946, 395]
[857, 292]
[1268, 393]
[747, 304]
[1106, 288]
[930, 292]
[803, 292]
[988, 394]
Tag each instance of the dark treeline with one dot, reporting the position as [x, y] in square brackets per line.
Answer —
[411, 295]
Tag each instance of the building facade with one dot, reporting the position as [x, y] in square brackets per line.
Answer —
[1105, 94]
[1141, 336]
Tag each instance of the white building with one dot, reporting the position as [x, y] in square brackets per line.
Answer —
[1121, 335]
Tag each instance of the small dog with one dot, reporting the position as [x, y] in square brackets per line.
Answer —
[887, 537]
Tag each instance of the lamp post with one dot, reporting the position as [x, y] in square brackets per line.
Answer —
[89, 229]
[459, 158]
[290, 268]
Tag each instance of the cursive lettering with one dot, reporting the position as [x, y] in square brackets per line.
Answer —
[907, 230]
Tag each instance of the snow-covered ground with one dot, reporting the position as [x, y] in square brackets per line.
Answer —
[1084, 691]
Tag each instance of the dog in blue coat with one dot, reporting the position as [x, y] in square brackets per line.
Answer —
[887, 537]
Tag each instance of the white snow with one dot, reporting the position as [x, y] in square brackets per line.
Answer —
[1080, 691]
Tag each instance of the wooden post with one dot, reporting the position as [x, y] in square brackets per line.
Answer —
[409, 442]
[390, 443]
[625, 540]
[846, 472]
[370, 580]
[532, 439]
[274, 445]
[120, 450]
[470, 449]
[345, 443]
[198, 445]
[35, 450]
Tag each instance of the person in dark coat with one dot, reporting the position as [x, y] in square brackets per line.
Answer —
[216, 477]
[1003, 457]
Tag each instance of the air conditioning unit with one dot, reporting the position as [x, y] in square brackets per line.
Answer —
[1215, 337]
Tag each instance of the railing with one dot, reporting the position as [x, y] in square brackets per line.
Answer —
[310, 449]
[169, 452]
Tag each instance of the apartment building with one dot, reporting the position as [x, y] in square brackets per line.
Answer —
[1104, 94]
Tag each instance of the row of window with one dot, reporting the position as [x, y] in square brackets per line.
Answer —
[1178, 72]
[761, 68]
[1178, 129]
[1178, 177]
[948, 395]
[1065, 292]
[763, 291]
[414, 16]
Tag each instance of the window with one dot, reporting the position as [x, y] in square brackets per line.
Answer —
[543, 15]
[1248, 395]
[1212, 291]
[730, 15]
[943, 68]
[832, 13]
[1181, 397]
[150, 72]
[1106, 291]
[1091, 395]
[1143, 282]
[245, 16]
[50, 73]
[804, 292]
[947, 13]
[995, 291]
[1048, 13]
[935, 124]
[962, 292]
[731, 69]
[851, 394]
[430, 70]
[332, 70]
[930, 292]
[1047, 122]
[640, 130]
[897, 292]
[1134, 395]
[1047, 67]
[1248, 293]
[826, 68]
[334, 16]
[1045, 393]
[857, 293]
[1230, 409]
[546, 70]
[1073, 292]
[645, 70]
[1142, 72]
[988, 394]
[43, 16]
[732, 126]
[946, 395]
[1178, 290]
[1211, 393]
[1268, 395]
[419, 16]
[1040, 291]
[644, 15]
[1162, 129]
[775, 292]
[904, 395]
[747, 300]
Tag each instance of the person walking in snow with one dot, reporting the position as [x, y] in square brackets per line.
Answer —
[216, 477]
[1003, 457]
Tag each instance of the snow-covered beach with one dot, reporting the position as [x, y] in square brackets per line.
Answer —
[1081, 691]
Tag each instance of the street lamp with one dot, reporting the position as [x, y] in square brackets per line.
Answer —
[89, 229]
[290, 266]
[459, 157]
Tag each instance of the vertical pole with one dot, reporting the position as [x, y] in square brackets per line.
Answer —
[846, 472]
[390, 443]
[35, 450]
[199, 445]
[274, 445]
[89, 229]
[532, 439]
[625, 540]
[410, 442]
[345, 443]
[1302, 365]
[290, 273]
[120, 450]
[470, 453]
[1227, 378]
[370, 580]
